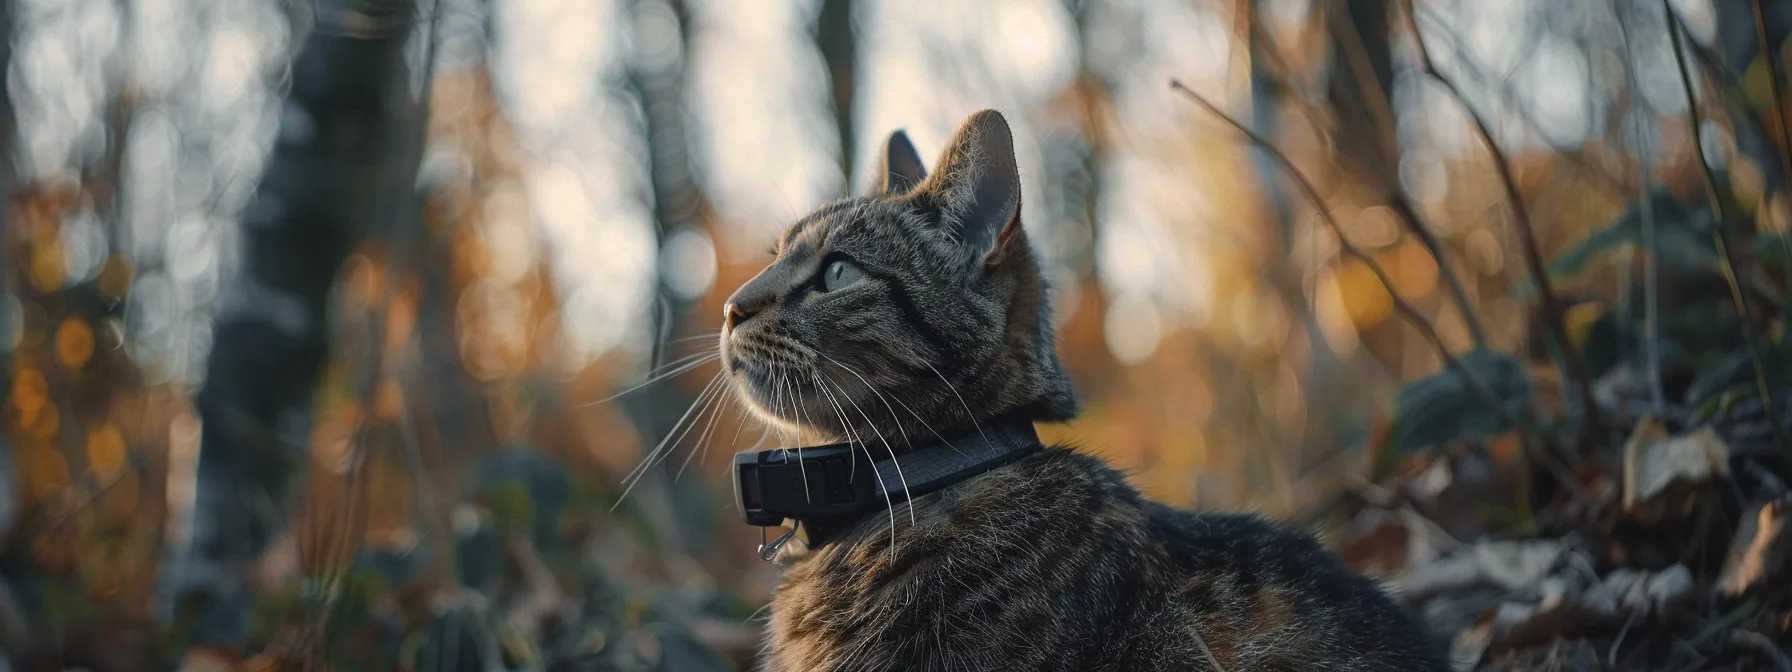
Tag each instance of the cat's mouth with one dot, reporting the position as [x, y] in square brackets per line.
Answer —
[803, 391]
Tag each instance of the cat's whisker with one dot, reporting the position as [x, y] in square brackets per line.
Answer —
[703, 439]
[668, 442]
[636, 475]
[679, 362]
[893, 461]
[744, 412]
[776, 409]
[711, 392]
[756, 613]
[740, 409]
[707, 333]
[845, 425]
[886, 402]
[821, 382]
[889, 504]
[805, 419]
[679, 367]
[874, 390]
[802, 468]
[961, 402]
[923, 422]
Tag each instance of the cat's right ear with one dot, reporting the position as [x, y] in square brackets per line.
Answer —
[899, 166]
[975, 187]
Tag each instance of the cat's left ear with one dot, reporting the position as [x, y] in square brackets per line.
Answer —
[899, 167]
[976, 188]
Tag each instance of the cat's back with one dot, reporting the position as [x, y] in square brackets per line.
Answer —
[1056, 563]
[1252, 595]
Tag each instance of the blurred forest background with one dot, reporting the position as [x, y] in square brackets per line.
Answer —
[315, 314]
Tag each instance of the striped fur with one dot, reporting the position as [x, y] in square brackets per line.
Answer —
[1051, 563]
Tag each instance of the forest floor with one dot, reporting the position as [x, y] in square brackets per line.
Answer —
[1669, 549]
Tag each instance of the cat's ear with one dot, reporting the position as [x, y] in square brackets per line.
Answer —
[899, 167]
[977, 185]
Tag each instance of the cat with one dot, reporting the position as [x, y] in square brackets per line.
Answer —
[918, 313]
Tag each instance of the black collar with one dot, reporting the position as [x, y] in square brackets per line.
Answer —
[826, 489]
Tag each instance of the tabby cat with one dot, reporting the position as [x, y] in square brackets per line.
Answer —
[919, 313]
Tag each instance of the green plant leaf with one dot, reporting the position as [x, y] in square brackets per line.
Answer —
[275, 610]
[1725, 377]
[392, 568]
[1682, 234]
[1442, 407]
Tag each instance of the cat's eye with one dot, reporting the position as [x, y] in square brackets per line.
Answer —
[840, 274]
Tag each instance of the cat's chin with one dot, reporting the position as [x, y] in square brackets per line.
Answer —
[757, 395]
[788, 433]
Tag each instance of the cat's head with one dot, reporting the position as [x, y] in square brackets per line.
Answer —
[912, 312]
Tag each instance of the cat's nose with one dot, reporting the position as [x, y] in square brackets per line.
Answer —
[733, 315]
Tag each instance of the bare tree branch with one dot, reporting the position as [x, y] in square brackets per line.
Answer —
[1782, 148]
[1773, 87]
[1720, 236]
[1533, 254]
[1380, 116]
[1406, 310]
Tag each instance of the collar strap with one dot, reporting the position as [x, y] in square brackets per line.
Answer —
[826, 489]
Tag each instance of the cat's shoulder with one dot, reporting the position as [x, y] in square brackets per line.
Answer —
[1059, 482]
[1192, 534]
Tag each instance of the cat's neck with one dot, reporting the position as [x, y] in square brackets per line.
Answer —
[833, 488]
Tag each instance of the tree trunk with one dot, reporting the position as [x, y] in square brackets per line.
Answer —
[13, 628]
[1281, 271]
[329, 179]
[839, 49]
[677, 204]
[8, 151]
[8, 156]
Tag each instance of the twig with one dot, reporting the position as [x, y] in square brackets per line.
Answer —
[1726, 621]
[404, 228]
[1535, 439]
[1504, 88]
[1720, 238]
[1728, 92]
[1611, 654]
[1397, 197]
[1206, 651]
[1733, 99]
[1773, 87]
[1758, 642]
[1402, 204]
[541, 592]
[1357, 54]
[1406, 310]
[1651, 265]
[1779, 117]
[1552, 306]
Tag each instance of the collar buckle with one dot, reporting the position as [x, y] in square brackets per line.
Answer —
[823, 481]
